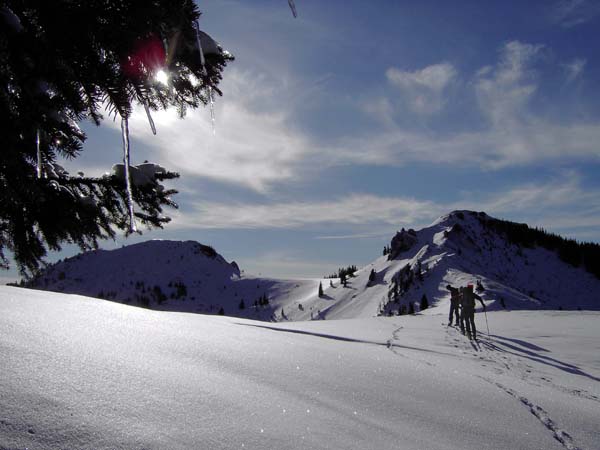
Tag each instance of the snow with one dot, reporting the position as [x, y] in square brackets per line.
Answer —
[79, 372]
[141, 175]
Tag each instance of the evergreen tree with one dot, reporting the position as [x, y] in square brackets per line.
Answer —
[242, 304]
[221, 312]
[320, 289]
[372, 277]
[60, 62]
[411, 308]
[424, 303]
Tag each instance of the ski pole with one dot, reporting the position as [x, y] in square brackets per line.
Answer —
[486, 322]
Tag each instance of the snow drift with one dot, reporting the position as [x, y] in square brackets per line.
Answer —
[84, 373]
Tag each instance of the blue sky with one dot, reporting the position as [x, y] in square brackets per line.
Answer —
[359, 118]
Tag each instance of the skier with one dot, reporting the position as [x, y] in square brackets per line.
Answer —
[454, 302]
[468, 310]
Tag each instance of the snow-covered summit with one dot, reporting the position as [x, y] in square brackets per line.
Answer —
[132, 273]
[514, 264]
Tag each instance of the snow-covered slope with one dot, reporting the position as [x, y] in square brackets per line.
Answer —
[459, 248]
[83, 373]
[173, 276]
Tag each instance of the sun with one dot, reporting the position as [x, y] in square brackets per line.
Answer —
[162, 77]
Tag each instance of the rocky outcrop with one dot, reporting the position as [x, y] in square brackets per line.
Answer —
[401, 242]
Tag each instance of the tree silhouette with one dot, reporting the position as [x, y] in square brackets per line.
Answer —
[61, 62]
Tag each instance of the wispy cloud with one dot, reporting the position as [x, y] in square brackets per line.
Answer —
[496, 148]
[535, 198]
[254, 143]
[504, 91]
[380, 108]
[371, 216]
[574, 69]
[515, 134]
[424, 88]
[351, 210]
[562, 204]
[570, 13]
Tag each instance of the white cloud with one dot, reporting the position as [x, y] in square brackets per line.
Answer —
[504, 91]
[424, 89]
[574, 69]
[561, 203]
[517, 144]
[381, 108]
[570, 13]
[253, 145]
[351, 210]
[514, 134]
[535, 198]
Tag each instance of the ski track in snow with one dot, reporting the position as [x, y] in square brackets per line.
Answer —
[486, 353]
[513, 363]
[560, 435]
[395, 348]
[491, 356]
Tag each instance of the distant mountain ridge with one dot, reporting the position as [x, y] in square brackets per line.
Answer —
[518, 268]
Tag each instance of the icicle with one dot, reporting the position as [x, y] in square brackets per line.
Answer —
[202, 61]
[293, 7]
[212, 109]
[125, 136]
[205, 73]
[39, 153]
[152, 126]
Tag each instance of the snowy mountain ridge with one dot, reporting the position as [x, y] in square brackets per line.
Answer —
[458, 248]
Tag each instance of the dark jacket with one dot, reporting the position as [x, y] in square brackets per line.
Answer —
[454, 295]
